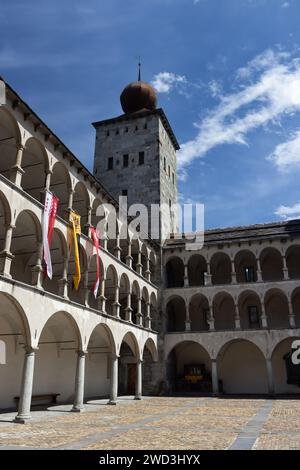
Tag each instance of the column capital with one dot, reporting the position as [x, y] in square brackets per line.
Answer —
[114, 356]
[82, 352]
[30, 349]
[20, 147]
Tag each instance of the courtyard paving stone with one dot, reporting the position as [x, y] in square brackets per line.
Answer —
[160, 423]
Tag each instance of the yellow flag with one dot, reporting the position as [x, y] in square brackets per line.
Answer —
[75, 221]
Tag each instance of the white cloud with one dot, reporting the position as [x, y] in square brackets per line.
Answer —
[288, 212]
[268, 59]
[164, 82]
[287, 154]
[273, 93]
[215, 88]
[285, 4]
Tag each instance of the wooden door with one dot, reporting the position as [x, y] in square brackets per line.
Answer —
[131, 378]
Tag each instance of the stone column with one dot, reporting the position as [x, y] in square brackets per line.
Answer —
[70, 202]
[48, 180]
[63, 282]
[208, 276]
[89, 216]
[148, 315]
[37, 270]
[17, 171]
[259, 273]
[211, 319]
[104, 240]
[86, 290]
[102, 298]
[187, 317]
[128, 256]
[148, 272]
[292, 321]
[138, 383]
[139, 315]
[79, 382]
[237, 320]
[233, 273]
[6, 256]
[117, 248]
[139, 266]
[214, 377]
[285, 269]
[116, 303]
[271, 388]
[186, 276]
[113, 380]
[264, 320]
[128, 309]
[26, 387]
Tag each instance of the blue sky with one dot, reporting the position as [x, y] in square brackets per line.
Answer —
[227, 74]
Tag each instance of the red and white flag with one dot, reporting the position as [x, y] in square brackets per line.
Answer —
[50, 210]
[96, 245]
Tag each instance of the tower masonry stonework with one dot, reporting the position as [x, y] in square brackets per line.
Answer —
[135, 156]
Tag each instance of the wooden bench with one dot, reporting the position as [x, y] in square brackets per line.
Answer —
[49, 397]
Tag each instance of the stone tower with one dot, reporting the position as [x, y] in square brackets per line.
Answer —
[135, 154]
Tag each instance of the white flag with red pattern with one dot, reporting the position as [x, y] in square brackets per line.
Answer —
[96, 245]
[50, 210]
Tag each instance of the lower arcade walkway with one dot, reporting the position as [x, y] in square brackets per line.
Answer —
[160, 423]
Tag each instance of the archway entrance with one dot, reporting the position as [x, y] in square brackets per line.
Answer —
[127, 365]
[189, 369]
[56, 357]
[150, 355]
[242, 368]
[286, 375]
[98, 364]
[12, 341]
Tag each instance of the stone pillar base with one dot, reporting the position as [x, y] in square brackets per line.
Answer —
[5, 263]
[139, 268]
[22, 419]
[137, 398]
[111, 402]
[116, 309]
[77, 410]
[128, 314]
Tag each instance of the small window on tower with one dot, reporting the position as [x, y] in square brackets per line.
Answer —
[117, 132]
[125, 160]
[141, 158]
[173, 178]
[126, 129]
[165, 165]
[124, 192]
[145, 126]
[110, 163]
[169, 171]
[107, 133]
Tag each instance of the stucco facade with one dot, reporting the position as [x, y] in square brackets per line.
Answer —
[233, 306]
[55, 339]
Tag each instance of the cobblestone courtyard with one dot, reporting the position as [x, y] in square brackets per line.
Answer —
[160, 423]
